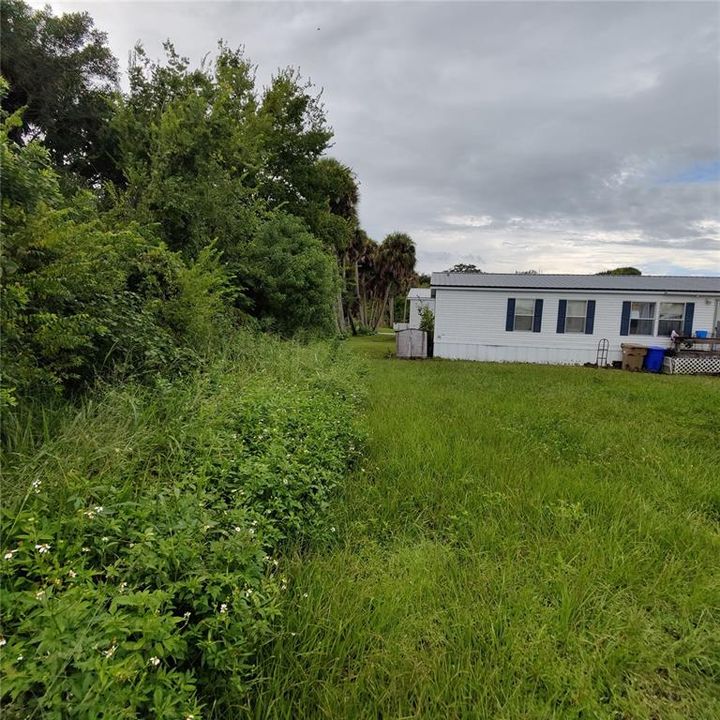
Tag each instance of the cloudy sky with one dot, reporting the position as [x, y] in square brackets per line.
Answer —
[560, 137]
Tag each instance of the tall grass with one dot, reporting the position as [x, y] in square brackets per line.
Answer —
[520, 542]
[143, 542]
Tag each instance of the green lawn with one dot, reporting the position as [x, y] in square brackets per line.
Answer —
[521, 542]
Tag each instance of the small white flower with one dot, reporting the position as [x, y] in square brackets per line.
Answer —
[154, 661]
[305, 595]
[40, 594]
[43, 548]
[86, 549]
[36, 485]
[3, 641]
[110, 651]
[237, 528]
[285, 482]
[123, 586]
[186, 615]
[19, 658]
[276, 563]
[251, 531]
[72, 573]
[223, 608]
[332, 529]
[104, 538]
[98, 508]
[9, 554]
[254, 523]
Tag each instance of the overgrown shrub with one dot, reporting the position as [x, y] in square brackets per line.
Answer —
[143, 568]
[291, 280]
[79, 298]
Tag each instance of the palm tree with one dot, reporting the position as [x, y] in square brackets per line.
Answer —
[396, 261]
[360, 254]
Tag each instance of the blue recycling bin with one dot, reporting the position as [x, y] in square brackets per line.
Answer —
[654, 359]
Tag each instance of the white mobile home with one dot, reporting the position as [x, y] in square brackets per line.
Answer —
[561, 318]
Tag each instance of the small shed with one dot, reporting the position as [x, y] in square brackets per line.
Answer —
[411, 343]
[417, 299]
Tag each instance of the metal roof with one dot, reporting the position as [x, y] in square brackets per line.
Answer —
[629, 283]
[419, 294]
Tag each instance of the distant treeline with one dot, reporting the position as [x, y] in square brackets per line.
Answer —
[139, 226]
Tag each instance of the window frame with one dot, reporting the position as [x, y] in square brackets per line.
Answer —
[532, 301]
[680, 320]
[568, 316]
[653, 318]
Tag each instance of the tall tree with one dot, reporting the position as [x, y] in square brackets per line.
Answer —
[331, 213]
[361, 254]
[61, 70]
[397, 261]
[293, 136]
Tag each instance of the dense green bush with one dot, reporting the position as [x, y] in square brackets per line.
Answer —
[142, 569]
[291, 280]
[80, 297]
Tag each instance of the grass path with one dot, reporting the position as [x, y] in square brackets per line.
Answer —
[523, 542]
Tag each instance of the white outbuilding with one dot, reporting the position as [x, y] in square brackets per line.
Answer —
[561, 318]
[417, 299]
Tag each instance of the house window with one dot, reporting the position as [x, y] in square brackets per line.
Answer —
[576, 316]
[524, 314]
[671, 317]
[642, 318]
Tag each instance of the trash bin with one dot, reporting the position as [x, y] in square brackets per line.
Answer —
[654, 359]
[633, 356]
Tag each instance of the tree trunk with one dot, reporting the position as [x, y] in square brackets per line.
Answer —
[381, 314]
[340, 311]
[392, 311]
[360, 295]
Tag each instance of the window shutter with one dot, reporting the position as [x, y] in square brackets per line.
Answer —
[689, 315]
[537, 317]
[590, 318]
[510, 317]
[562, 313]
[625, 319]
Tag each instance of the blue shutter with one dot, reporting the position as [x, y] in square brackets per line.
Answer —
[510, 317]
[625, 319]
[537, 317]
[590, 318]
[689, 315]
[562, 313]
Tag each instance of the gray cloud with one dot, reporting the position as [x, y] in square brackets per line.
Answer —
[526, 134]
